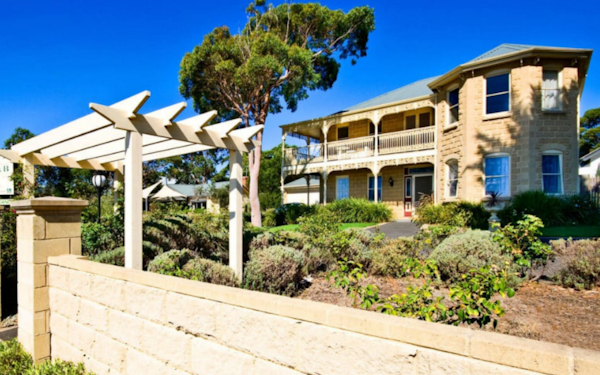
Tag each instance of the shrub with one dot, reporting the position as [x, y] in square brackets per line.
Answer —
[171, 262]
[58, 367]
[96, 238]
[13, 359]
[473, 249]
[276, 269]
[355, 210]
[269, 218]
[116, 257]
[478, 216]
[390, 258]
[291, 212]
[209, 271]
[455, 214]
[8, 244]
[582, 269]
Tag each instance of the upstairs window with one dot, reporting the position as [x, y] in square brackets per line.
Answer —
[497, 94]
[497, 175]
[424, 119]
[453, 106]
[452, 175]
[552, 181]
[372, 188]
[342, 133]
[411, 122]
[551, 98]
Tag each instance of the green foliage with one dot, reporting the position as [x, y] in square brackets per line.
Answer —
[589, 138]
[269, 187]
[16, 361]
[521, 241]
[8, 244]
[115, 257]
[220, 195]
[291, 212]
[13, 359]
[275, 269]
[473, 249]
[417, 302]
[582, 269]
[356, 210]
[170, 262]
[269, 218]
[97, 238]
[391, 258]
[454, 214]
[478, 216]
[551, 209]
[209, 271]
[347, 277]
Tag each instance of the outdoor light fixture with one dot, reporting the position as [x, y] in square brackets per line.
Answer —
[391, 182]
[99, 181]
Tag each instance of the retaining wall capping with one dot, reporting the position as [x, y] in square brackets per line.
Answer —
[93, 305]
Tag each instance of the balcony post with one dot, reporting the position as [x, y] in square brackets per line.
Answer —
[375, 181]
[325, 130]
[376, 139]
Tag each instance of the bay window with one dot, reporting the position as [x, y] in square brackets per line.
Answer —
[551, 97]
[497, 174]
[453, 106]
[497, 94]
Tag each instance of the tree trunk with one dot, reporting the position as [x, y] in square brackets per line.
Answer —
[254, 164]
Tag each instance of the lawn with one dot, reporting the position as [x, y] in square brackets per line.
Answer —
[294, 227]
[573, 231]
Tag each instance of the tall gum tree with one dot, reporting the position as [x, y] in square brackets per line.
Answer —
[282, 53]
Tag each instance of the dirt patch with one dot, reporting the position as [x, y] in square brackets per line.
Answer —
[538, 311]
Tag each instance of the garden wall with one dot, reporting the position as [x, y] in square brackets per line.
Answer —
[122, 321]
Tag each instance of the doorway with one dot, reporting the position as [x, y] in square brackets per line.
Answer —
[415, 187]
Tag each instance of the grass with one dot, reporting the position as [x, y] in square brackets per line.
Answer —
[572, 231]
[294, 227]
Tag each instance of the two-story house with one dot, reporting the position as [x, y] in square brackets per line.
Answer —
[506, 122]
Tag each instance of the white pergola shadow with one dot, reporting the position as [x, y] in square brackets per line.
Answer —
[119, 139]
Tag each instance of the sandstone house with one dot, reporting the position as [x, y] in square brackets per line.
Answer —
[505, 122]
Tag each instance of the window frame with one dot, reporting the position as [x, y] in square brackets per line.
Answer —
[379, 188]
[408, 184]
[449, 107]
[508, 112]
[448, 163]
[336, 186]
[559, 77]
[560, 168]
[337, 132]
[509, 180]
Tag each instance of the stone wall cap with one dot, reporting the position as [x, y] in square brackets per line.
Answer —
[51, 203]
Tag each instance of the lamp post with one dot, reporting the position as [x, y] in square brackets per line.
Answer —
[99, 182]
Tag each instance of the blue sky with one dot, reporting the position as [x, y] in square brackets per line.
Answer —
[57, 57]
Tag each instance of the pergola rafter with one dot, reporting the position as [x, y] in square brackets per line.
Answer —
[118, 137]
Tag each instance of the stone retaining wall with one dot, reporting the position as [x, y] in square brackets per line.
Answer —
[121, 321]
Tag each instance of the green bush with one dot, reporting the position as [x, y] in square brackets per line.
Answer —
[171, 262]
[8, 244]
[355, 210]
[291, 212]
[478, 216]
[391, 257]
[455, 214]
[209, 271]
[14, 360]
[97, 238]
[582, 269]
[269, 218]
[116, 257]
[276, 269]
[551, 209]
[473, 249]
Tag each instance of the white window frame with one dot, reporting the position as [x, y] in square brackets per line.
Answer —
[498, 155]
[451, 161]
[485, 96]
[336, 185]
[449, 108]
[560, 168]
[380, 188]
[560, 87]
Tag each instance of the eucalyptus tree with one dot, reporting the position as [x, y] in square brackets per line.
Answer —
[282, 53]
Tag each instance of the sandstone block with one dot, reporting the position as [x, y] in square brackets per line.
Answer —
[167, 344]
[59, 277]
[32, 251]
[65, 351]
[32, 299]
[81, 337]
[125, 328]
[230, 362]
[31, 227]
[32, 274]
[194, 315]
[108, 292]
[64, 303]
[93, 315]
[137, 363]
[145, 302]
[34, 323]
[109, 352]
[63, 226]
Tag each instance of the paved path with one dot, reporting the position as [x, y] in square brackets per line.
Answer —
[396, 229]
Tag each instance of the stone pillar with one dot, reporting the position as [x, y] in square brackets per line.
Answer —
[45, 227]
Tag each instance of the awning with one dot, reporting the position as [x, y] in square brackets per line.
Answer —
[166, 194]
[147, 191]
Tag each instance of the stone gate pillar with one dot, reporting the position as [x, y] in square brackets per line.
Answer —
[45, 227]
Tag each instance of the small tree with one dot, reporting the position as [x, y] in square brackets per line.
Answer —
[589, 139]
[282, 53]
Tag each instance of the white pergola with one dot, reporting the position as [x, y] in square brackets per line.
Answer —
[119, 139]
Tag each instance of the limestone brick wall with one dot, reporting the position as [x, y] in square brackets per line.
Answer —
[129, 322]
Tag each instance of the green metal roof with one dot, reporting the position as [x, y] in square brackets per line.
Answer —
[301, 182]
[192, 190]
[503, 49]
[412, 90]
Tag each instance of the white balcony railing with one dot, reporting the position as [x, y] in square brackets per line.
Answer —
[355, 148]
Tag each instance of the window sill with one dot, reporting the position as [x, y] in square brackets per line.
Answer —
[494, 116]
[451, 126]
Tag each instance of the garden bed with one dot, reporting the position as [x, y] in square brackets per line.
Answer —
[538, 311]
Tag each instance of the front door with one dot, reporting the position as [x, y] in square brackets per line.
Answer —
[415, 187]
[423, 186]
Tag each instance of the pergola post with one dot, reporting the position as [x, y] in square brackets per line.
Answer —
[133, 200]
[28, 177]
[235, 213]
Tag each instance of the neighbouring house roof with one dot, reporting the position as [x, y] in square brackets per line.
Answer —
[592, 155]
[184, 191]
[413, 90]
[301, 182]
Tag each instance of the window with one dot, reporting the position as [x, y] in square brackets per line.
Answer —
[497, 94]
[452, 106]
[342, 188]
[372, 128]
[551, 98]
[342, 133]
[424, 120]
[411, 122]
[552, 182]
[408, 187]
[452, 173]
[372, 188]
[497, 175]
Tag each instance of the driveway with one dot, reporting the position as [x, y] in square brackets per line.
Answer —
[395, 229]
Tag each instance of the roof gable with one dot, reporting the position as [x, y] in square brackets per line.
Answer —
[503, 49]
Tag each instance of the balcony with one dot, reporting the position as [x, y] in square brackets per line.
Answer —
[363, 147]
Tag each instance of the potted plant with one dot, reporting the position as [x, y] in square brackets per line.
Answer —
[494, 205]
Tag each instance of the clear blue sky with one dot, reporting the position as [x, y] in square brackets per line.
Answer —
[57, 56]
